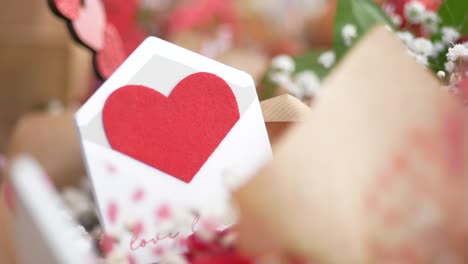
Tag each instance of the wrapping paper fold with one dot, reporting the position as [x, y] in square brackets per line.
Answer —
[284, 108]
[280, 113]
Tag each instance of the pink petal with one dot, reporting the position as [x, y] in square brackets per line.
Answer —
[163, 212]
[138, 195]
[112, 212]
[159, 251]
[138, 229]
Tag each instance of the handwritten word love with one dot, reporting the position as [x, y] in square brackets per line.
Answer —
[136, 243]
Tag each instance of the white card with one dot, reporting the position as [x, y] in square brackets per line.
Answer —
[147, 131]
[43, 231]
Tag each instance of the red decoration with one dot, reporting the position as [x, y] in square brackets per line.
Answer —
[112, 56]
[174, 134]
[109, 28]
[68, 8]
[214, 251]
[123, 14]
[102, 27]
[200, 13]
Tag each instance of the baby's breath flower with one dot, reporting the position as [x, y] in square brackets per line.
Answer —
[285, 81]
[327, 59]
[450, 35]
[308, 82]
[280, 78]
[438, 48]
[458, 51]
[441, 74]
[396, 19]
[283, 63]
[349, 33]
[449, 66]
[421, 59]
[422, 46]
[431, 21]
[406, 37]
[454, 79]
[415, 12]
[389, 8]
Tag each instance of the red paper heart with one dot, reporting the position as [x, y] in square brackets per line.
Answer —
[175, 134]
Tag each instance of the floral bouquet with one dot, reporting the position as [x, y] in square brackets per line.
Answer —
[368, 168]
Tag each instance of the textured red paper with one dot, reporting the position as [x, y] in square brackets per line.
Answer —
[123, 15]
[67, 8]
[109, 28]
[175, 134]
[112, 55]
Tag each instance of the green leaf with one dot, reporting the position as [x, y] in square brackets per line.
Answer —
[269, 88]
[364, 14]
[455, 13]
[309, 61]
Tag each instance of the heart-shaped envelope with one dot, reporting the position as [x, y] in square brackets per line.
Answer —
[158, 137]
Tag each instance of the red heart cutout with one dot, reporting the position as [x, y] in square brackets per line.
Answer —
[175, 134]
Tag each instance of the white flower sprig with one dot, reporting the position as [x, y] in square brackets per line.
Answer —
[441, 74]
[450, 35]
[431, 21]
[327, 59]
[308, 83]
[283, 63]
[415, 12]
[457, 52]
[303, 85]
[349, 33]
[449, 66]
[422, 46]
[457, 55]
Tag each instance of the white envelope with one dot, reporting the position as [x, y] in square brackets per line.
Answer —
[128, 191]
[43, 233]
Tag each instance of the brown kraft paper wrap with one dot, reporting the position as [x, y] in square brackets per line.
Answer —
[376, 173]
